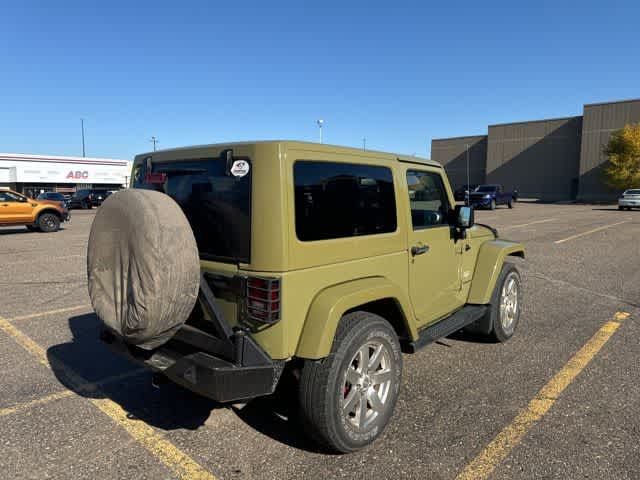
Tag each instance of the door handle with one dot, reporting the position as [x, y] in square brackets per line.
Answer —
[419, 249]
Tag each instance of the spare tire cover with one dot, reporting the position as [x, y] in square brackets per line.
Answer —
[143, 266]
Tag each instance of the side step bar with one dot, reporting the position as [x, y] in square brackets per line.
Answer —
[445, 327]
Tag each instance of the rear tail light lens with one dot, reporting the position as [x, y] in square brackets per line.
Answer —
[155, 178]
[263, 299]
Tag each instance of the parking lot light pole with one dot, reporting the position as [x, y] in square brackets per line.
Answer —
[320, 122]
[82, 128]
[468, 189]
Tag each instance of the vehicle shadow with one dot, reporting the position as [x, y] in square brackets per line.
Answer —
[610, 209]
[21, 230]
[278, 417]
[464, 336]
[9, 231]
[169, 407]
[87, 359]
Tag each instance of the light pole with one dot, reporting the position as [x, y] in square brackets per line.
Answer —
[468, 189]
[82, 128]
[364, 143]
[320, 122]
[154, 140]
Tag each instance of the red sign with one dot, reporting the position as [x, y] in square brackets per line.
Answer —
[78, 175]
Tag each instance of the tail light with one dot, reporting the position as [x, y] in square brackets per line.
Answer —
[263, 299]
[155, 178]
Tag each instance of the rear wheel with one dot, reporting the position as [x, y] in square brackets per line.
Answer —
[48, 222]
[620, 207]
[510, 204]
[347, 398]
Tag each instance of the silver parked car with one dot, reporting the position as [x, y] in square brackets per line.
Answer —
[629, 199]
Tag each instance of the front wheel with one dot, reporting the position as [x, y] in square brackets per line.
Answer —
[48, 222]
[347, 399]
[506, 303]
[502, 318]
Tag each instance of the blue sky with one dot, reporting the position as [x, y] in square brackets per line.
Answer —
[398, 73]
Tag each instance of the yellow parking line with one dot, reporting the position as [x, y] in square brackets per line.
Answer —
[527, 224]
[486, 461]
[50, 312]
[174, 458]
[590, 231]
[86, 387]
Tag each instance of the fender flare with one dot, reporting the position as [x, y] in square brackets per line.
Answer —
[48, 210]
[488, 266]
[328, 307]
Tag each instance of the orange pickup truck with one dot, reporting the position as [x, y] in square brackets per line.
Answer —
[43, 215]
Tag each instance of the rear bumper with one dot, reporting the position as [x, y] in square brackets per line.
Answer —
[202, 372]
[629, 203]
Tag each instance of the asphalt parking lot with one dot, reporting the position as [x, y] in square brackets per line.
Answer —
[560, 400]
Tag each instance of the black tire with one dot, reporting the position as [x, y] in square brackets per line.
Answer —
[48, 222]
[499, 331]
[510, 204]
[493, 205]
[324, 385]
[620, 208]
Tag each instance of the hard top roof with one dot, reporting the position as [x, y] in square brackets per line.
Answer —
[310, 146]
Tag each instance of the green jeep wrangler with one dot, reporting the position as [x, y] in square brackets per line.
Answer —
[226, 265]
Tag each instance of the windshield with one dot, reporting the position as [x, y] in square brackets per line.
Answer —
[217, 204]
[632, 192]
[486, 189]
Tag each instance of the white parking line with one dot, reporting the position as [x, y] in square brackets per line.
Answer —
[590, 231]
[530, 223]
[51, 312]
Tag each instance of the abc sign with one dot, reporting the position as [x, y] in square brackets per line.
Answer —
[78, 175]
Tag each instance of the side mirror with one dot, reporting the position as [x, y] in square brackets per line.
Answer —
[464, 216]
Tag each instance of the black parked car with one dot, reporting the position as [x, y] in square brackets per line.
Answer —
[88, 198]
[54, 196]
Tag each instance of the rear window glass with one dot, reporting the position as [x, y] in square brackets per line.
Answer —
[632, 192]
[337, 200]
[217, 204]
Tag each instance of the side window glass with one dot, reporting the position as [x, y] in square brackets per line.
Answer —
[427, 198]
[9, 197]
[338, 200]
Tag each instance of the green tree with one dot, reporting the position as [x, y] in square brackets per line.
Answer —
[623, 150]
